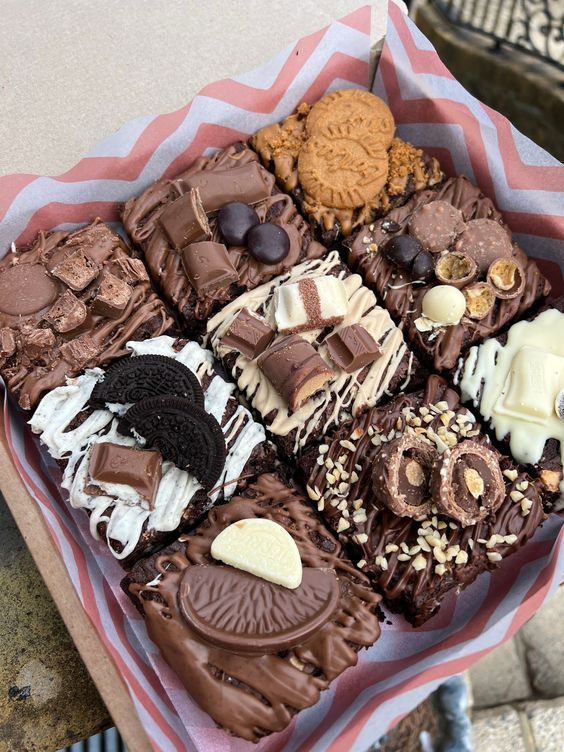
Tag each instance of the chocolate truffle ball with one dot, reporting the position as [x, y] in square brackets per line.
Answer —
[268, 243]
[235, 220]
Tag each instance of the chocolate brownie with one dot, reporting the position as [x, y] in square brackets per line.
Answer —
[341, 164]
[219, 228]
[516, 383]
[446, 265]
[422, 498]
[124, 475]
[253, 652]
[332, 351]
[71, 300]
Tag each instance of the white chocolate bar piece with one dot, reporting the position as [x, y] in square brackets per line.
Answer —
[310, 304]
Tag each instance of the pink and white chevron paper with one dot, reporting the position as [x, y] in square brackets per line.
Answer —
[433, 111]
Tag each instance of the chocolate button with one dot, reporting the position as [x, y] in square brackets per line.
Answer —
[235, 220]
[402, 250]
[268, 243]
[26, 289]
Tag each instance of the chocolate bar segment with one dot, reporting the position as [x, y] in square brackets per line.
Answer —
[69, 301]
[248, 333]
[415, 556]
[231, 178]
[454, 250]
[273, 650]
[352, 348]
[184, 220]
[112, 464]
[310, 304]
[208, 267]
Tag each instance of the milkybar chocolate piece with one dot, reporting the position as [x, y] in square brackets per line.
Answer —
[77, 271]
[208, 267]
[310, 304]
[138, 468]
[466, 482]
[248, 333]
[352, 348]
[67, 313]
[295, 370]
[247, 183]
[112, 297]
[184, 221]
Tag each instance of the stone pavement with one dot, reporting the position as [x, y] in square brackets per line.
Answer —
[518, 689]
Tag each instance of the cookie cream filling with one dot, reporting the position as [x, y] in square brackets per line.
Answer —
[516, 385]
[130, 513]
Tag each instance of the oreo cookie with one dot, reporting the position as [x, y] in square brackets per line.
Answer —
[136, 378]
[182, 432]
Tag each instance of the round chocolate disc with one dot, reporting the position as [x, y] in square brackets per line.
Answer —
[246, 614]
[135, 378]
[234, 221]
[26, 289]
[182, 432]
[268, 243]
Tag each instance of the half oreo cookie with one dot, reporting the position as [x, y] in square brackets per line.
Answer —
[182, 432]
[136, 378]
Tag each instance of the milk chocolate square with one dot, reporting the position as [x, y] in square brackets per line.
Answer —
[249, 334]
[112, 296]
[353, 347]
[208, 267]
[77, 271]
[123, 465]
[184, 220]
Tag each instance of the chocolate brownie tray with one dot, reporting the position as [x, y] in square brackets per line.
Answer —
[150, 444]
[445, 265]
[219, 228]
[421, 497]
[258, 610]
[516, 383]
[309, 349]
[70, 301]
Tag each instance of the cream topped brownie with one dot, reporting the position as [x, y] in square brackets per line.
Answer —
[150, 444]
[341, 164]
[446, 265]
[516, 382]
[311, 348]
[421, 496]
[219, 228]
[257, 610]
[71, 300]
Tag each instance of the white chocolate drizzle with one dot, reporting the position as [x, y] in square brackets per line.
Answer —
[345, 394]
[130, 514]
[515, 385]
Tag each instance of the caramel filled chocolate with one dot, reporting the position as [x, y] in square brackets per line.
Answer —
[295, 370]
[248, 333]
[184, 220]
[208, 266]
[245, 183]
[352, 348]
[138, 468]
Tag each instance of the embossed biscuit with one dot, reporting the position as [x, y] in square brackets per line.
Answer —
[345, 170]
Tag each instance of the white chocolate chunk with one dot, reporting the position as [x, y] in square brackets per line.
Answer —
[533, 383]
[310, 304]
[261, 547]
[444, 304]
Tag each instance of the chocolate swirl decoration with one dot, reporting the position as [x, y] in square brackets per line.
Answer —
[182, 432]
[243, 613]
[400, 476]
[466, 482]
[133, 379]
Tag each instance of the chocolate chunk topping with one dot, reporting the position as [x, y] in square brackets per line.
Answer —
[248, 333]
[138, 468]
[485, 240]
[248, 183]
[184, 220]
[466, 482]
[401, 250]
[136, 378]
[7, 343]
[246, 614]
[401, 474]
[67, 313]
[77, 271]
[423, 267]
[295, 370]
[26, 289]
[234, 221]
[268, 243]
[352, 348]
[112, 297]
[435, 225]
[182, 432]
[80, 351]
[208, 267]
[37, 341]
